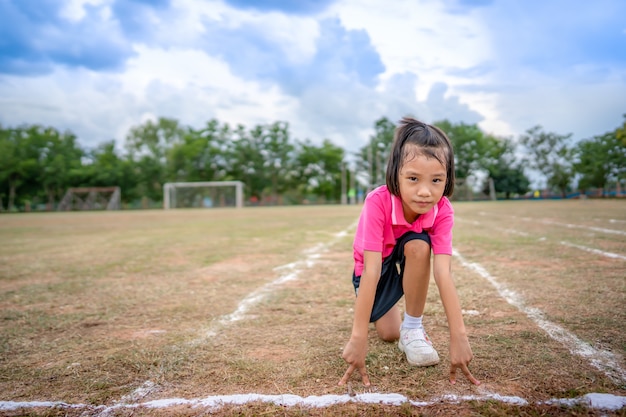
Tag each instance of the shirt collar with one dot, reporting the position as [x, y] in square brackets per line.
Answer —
[425, 221]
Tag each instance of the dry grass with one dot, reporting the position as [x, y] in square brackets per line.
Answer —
[92, 305]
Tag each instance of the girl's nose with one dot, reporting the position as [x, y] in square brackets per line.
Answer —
[423, 191]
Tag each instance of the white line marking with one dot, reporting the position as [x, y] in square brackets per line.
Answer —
[462, 220]
[568, 225]
[213, 403]
[541, 239]
[291, 272]
[578, 226]
[604, 361]
[470, 312]
[593, 400]
[596, 251]
[141, 392]
[477, 223]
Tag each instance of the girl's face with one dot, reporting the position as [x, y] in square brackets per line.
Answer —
[422, 183]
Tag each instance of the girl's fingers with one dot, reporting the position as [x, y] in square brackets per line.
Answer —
[347, 375]
[364, 377]
[350, 371]
[467, 373]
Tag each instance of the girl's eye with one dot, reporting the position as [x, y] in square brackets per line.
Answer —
[413, 179]
[437, 180]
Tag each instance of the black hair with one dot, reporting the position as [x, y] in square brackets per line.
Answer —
[431, 142]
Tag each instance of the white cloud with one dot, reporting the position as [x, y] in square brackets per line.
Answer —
[74, 10]
[423, 39]
[192, 19]
[419, 37]
[183, 84]
[322, 73]
[582, 110]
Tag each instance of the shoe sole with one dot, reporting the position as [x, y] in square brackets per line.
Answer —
[434, 360]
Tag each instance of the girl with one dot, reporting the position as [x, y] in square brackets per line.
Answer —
[400, 222]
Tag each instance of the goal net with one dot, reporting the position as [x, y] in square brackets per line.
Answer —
[202, 194]
[91, 198]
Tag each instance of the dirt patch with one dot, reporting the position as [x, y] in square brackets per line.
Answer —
[276, 354]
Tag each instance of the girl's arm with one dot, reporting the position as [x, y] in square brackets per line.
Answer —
[460, 351]
[356, 349]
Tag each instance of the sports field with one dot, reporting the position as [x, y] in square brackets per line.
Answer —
[246, 311]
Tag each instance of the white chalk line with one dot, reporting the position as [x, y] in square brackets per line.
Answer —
[291, 271]
[606, 362]
[564, 243]
[577, 226]
[596, 251]
[568, 225]
[591, 400]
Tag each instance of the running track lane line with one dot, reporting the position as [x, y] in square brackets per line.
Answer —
[291, 271]
[596, 251]
[568, 225]
[605, 361]
[564, 243]
[597, 401]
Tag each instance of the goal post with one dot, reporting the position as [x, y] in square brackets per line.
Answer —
[91, 198]
[202, 194]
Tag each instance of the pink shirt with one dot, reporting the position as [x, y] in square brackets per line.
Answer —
[382, 222]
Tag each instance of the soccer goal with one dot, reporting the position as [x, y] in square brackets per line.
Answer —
[91, 198]
[202, 194]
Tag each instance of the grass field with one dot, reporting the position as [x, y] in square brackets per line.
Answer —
[246, 312]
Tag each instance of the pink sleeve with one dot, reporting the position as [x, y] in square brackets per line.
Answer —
[371, 225]
[441, 232]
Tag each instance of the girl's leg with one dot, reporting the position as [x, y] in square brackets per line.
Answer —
[416, 276]
[413, 341]
[415, 285]
[388, 326]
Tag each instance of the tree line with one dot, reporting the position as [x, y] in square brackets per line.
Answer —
[39, 163]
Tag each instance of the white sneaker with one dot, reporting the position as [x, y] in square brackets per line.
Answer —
[417, 347]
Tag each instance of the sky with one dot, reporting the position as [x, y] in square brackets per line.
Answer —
[330, 68]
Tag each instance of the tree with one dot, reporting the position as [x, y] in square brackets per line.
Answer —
[600, 159]
[620, 132]
[550, 154]
[247, 161]
[20, 167]
[471, 147]
[107, 168]
[148, 146]
[7, 166]
[60, 159]
[319, 169]
[263, 158]
[202, 155]
[507, 173]
[372, 158]
[278, 155]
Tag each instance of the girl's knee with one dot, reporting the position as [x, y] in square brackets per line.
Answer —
[389, 334]
[388, 326]
[416, 249]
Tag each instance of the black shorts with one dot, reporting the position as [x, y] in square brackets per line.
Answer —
[389, 289]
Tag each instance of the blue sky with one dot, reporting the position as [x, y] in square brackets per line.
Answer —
[329, 68]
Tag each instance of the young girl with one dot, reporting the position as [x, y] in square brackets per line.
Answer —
[400, 222]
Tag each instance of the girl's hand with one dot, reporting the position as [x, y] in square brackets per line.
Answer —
[460, 357]
[354, 353]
